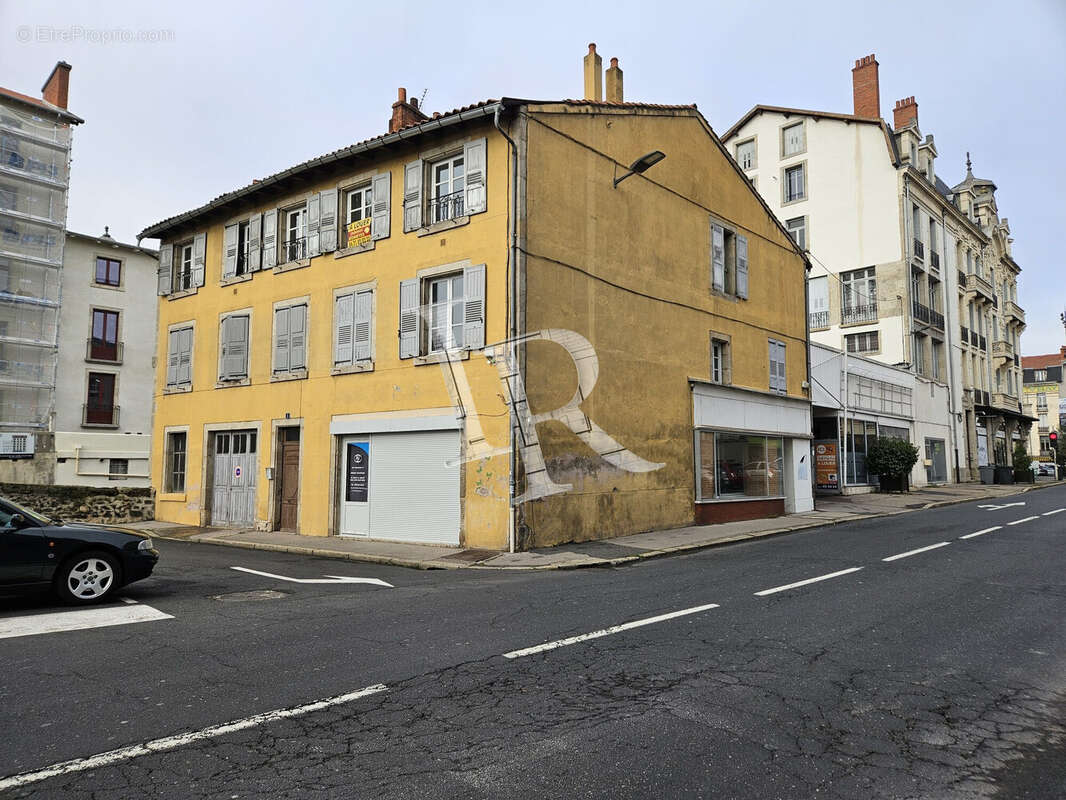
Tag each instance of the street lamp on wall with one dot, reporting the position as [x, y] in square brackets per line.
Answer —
[641, 165]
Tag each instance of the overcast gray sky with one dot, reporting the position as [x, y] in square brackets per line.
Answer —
[237, 91]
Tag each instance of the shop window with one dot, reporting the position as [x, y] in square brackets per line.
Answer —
[739, 466]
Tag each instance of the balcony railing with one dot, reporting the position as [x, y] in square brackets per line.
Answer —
[819, 319]
[853, 314]
[1017, 362]
[962, 279]
[965, 335]
[106, 416]
[934, 259]
[978, 284]
[106, 352]
[293, 250]
[980, 397]
[983, 343]
[975, 339]
[920, 312]
[919, 249]
[1012, 309]
[447, 206]
[936, 319]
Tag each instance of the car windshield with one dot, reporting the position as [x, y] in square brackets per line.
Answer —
[40, 519]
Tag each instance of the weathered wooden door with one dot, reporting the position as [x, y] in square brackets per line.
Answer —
[289, 472]
[233, 496]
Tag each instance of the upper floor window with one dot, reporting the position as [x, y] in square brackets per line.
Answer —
[448, 188]
[103, 345]
[793, 140]
[729, 261]
[448, 199]
[746, 154]
[353, 327]
[1039, 376]
[181, 265]
[868, 342]
[243, 262]
[290, 339]
[359, 203]
[294, 233]
[233, 347]
[778, 379]
[108, 272]
[798, 228]
[859, 289]
[795, 183]
[442, 312]
[179, 357]
[720, 372]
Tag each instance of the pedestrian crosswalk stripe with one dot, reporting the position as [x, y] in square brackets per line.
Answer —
[78, 619]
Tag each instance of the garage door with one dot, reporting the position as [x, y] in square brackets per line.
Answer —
[411, 486]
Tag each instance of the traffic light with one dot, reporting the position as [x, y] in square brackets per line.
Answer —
[1053, 437]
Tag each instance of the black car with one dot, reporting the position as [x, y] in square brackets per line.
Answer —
[80, 562]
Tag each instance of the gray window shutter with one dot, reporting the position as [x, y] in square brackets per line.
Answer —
[343, 315]
[185, 355]
[297, 337]
[255, 232]
[327, 225]
[364, 310]
[281, 340]
[234, 347]
[314, 216]
[229, 254]
[381, 190]
[412, 196]
[742, 267]
[166, 253]
[199, 253]
[717, 257]
[474, 163]
[173, 347]
[409, 321]
[270, 239]
[474, 312]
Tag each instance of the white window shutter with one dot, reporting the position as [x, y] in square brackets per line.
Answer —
[717, 257]
[270, 239]
[773, 365]
[474, 163]
[409, 318]
[314, 208]
[234, 347]
[255, 233]
[173, 346]
[381, 191]
[199, 253]
[327, 224]
[297, 337]
[229, 251]
[281, 340]
[342, 331]
[742, 267]
[364, 310]
[412, 196]
[474, 312]
[166, 253]
[185, 355]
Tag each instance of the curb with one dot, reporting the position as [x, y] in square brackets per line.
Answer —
[586, 564]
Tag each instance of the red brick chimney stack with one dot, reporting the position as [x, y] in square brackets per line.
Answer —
[405, 113]
[905, 113]
[57, 87]
[865, 88]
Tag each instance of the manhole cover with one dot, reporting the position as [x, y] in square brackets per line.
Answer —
[244, 597]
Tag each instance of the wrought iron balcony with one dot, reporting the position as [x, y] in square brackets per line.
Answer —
[983, 343]
[1017, 361]
[936, 319]
[102, 351]
[853, 314]
[919, 250]
[97, 414]
[965, 335]
[293, 250]
[447, 206]
[920, 312]
[934, 259]
[975, 339]
[819, 319]
[962, 279]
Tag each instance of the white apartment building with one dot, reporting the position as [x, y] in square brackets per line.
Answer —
[900, 259]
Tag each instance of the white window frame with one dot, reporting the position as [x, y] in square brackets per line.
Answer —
[785, 171]
[721, 367]
[434, 194]
[870, 342]
[785, 153]
[753, 162]
[366, 207]
[452, 302]
[182, 268]
[287, 240]
[802, 228]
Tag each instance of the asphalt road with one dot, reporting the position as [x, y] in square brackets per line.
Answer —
[940, 674]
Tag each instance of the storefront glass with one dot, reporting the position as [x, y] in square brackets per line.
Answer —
[739, 465]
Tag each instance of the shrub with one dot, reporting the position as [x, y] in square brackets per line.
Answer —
[891, 457]
[1022, 460]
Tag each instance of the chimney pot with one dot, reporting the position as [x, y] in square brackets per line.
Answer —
[404, 113]
[865, 88]
[592, 47]
[402, 95]
[905, 113]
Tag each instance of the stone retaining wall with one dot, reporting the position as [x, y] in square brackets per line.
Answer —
[84, 503]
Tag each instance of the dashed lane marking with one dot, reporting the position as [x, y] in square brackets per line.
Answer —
[1056, 511]
[909, 553]
[788, 586]
[78, 619]
[181, 739]
[981, 533]
[1023, 519]
[584, 637]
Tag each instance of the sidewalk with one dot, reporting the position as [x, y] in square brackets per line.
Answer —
[603, 552]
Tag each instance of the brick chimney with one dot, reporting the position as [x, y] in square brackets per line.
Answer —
[405, 113]
[614, 82]
[594, 75]
[865, 88]
[905, 113]
[57, 86]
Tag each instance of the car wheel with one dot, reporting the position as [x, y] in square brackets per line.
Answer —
[88, 577]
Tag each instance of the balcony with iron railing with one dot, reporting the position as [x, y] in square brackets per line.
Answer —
[975, 339]
[851, 315]
[819, 320]
[965, 334]
[920, 312]
[1012, 309]
[1002, 349]
[962, 280]
[103, 352]
[936, 319]
[293, 249]
[934, 260]
[99, 415]
[447, 206]
[1017, 361]
[982, 343]
[919, 250]
[980, 287]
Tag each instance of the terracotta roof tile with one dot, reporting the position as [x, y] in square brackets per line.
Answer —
[42, 104]
[1039, 362]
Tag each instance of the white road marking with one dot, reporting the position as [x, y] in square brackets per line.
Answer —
[78, 619]
[916, 552]
[981, 533]
[128, 601]
[327, 579]
[788, 586]
[997, 508]
[584, 637]
[1023, 519]
[180, 740]
[1056, 511]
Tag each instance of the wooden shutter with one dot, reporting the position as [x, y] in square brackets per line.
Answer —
[381, 191]
[173, 346]
[199, 253]
[270, 239]
[343, 314]
[409, 318]
[297, 337]
[474, 312]
[185, 355]
[742, 266]
[314, 216]
[364, 310]
[474, 163]
[281, 340]
[255, 231]
[412, 196]
[229, 251]
[166, 253]
[327, 225]
[778, 380]
[717, 257]
[234, 347]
